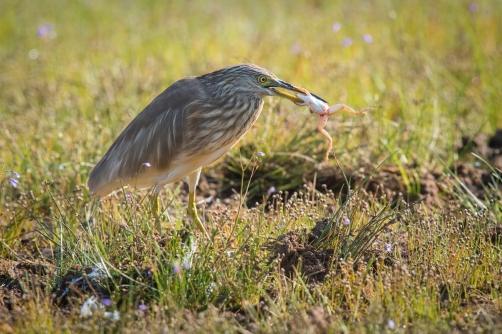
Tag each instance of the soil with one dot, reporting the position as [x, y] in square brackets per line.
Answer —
[427, 185]
[421, 184]
[295, 250]
[298, 254]
[77, 282]
[17, 279]
[488, 147]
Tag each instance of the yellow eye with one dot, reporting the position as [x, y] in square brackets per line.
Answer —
[262, 79]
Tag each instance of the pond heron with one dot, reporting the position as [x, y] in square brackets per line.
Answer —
[189, 125]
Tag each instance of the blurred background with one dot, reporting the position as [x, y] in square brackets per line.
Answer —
[73, 74]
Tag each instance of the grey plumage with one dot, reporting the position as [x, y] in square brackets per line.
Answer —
[189, 125]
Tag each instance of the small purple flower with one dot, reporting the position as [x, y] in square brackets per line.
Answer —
[16, 174]
[346, 221]
[473, 7]
[296, 48]
[367, 38]
[44, 30]
[391, 324]
[347, 42]
[388, 247]
[176, 268]
[142, 307]
[336, 26]
[128, 196]
[187, 265]
[13, 181]
[147, 164]
[106, 301]
[271, 190]
[261, 153]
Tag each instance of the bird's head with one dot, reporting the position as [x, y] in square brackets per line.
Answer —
[250, 79]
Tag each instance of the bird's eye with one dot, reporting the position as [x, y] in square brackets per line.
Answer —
[262, 79]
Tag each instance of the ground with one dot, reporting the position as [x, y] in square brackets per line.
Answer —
[399, 232]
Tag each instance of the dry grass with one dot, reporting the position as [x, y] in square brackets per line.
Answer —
[411, 245]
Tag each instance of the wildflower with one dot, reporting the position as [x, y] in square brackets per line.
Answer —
[261, 153]
[388, 247]
[296, 48]
[271, 190]
[336, 26]
[147, 164]
[142, 307]
[128, 196]
[13, 181]
[115, 315]
[347, 42]
[176, 268]
[391, 324]
[44, 30]
[106, 301]
[367, 38]
[16, 174]
[87, 307]
[187, 265]
[347, 221]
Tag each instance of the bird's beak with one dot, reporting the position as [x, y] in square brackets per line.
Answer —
[278, 86]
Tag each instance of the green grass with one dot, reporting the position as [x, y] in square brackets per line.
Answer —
[433, 68]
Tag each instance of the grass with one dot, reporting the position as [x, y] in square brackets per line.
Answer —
[402, 264]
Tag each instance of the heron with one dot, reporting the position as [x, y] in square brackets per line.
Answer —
[192, 123]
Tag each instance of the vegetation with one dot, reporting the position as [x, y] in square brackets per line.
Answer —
[401, 231]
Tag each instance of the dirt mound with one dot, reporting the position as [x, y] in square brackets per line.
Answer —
[488, 147]
[495, 141]
[426, 185]
[387, 181]
[17, 279]
[479, 181]
[77, 282]
[390, 180]
[297, 253]
[16, 275]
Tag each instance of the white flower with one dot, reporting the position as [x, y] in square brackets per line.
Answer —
[89, 305]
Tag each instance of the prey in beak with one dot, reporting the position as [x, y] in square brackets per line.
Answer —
[281, 88]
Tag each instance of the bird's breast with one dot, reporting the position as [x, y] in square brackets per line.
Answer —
[221, 126]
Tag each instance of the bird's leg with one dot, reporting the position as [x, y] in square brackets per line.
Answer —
[192, 180]
[192, 211]
[156, 212]
[321, 123]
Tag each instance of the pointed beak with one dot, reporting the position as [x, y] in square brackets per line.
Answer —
[280, 88]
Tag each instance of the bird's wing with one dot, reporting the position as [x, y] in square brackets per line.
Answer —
[151, 144]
